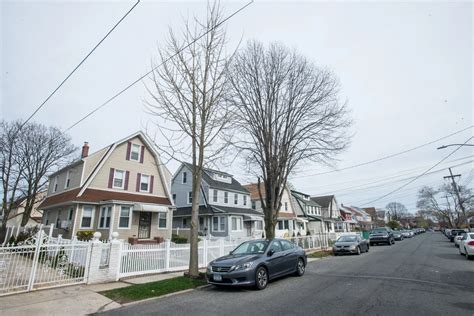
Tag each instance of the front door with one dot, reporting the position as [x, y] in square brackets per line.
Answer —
[144, 225]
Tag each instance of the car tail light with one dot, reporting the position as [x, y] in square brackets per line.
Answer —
[471, 243]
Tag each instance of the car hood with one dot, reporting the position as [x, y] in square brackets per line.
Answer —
[231, 260]
[346, 243]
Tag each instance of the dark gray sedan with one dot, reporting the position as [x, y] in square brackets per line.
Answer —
[255, 262]
[350, 244]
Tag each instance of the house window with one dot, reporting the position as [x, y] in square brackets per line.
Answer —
[254, 205]
[218, 223]
[185, 177]
[236, 198]
[71, 211]
[174, 198]
[245, 200]
[118, 179]
[135, 152]
[55, 184]
[104, 217]
[226, 197]
[286, 206]
[236, 224]
[259, 225]
[87, 214]
[190, 197]
[162, 220]
[214, 195]
[144, 183]
[58, 220]
[68, 179]
[185, 222]
[283, 225]
[124, 220]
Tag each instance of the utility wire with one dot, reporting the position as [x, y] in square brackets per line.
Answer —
[385, 157]
[419, 176]
[154, 68]
[74, 70]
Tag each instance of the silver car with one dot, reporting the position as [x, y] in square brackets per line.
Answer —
[350, 244]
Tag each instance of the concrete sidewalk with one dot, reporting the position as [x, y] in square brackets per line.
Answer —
[71, 300]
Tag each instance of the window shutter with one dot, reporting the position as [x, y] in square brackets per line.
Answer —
[111, 177]
[142, 154]
[151, 183]
[127, 175]
[129, 148]
[139, 176]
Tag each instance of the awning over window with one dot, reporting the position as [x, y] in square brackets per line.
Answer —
[252, 218]
[142, 207]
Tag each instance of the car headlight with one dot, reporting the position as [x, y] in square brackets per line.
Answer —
[352, 247]
[243, 266]
[209, 267]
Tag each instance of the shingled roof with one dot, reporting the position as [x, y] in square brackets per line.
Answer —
[206, 176]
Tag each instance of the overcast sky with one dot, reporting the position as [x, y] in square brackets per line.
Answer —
[406, 71]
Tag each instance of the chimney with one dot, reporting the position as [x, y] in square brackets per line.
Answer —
[85, 150]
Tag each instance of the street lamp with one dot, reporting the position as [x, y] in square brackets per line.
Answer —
[446, 146]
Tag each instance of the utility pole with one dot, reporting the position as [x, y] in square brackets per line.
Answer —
[455, 187]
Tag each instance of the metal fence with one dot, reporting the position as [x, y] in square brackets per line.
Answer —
[39, 263]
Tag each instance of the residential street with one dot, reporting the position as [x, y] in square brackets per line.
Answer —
[424, 275]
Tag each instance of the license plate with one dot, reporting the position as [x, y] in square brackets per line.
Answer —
[217, 277]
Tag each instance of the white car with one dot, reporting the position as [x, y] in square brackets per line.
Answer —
[458, 239]
[466, 246]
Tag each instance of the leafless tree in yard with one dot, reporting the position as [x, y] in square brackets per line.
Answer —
[437, 202]
[188, 93]
[27, 156]
[286, 112]
[397, 210]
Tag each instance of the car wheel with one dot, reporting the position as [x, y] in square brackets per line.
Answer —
[358, 250]
[261, 278]
[300, 268]
[467, 255]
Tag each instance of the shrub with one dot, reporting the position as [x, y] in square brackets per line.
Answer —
[178, 239]
[85, 235]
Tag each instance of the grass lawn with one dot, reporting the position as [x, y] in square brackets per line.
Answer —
[320, 254]
[153, 289]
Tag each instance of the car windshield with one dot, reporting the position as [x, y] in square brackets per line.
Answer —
[347, 238]
[251, 247]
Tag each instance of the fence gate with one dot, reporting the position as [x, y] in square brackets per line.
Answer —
[42, 262]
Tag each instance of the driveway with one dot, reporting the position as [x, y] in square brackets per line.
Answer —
[424, 275]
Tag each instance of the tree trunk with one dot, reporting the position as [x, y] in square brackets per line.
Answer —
[270, 224]
[193, 239]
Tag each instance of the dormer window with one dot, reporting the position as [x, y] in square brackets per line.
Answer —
[222, 177]
[185, 177]
[135, 152]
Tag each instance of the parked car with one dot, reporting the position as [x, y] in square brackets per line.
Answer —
[466, 246]
[458, 238]
[350, 244]
[398, 235]
[454, 233]
[381, 235]
[255, 262]
[407, 234]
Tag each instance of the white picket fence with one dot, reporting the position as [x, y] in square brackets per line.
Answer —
[168, 256]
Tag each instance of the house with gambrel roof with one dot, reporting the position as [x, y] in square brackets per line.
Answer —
[309, 210]
[122, 188]
[224, 205]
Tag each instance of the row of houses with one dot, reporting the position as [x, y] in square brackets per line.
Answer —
[125, 187]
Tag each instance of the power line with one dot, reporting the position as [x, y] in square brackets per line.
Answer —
[385, 157]
[154, 68]
[74, 70]
[425, 172]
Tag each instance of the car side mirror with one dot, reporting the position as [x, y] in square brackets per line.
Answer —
[271, 252]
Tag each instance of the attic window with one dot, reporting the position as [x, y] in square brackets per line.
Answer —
[135, 152]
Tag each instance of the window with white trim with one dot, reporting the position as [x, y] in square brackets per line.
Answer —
[236, 224]
[174, 198]
[71, 211]
[144, 183]
[55, 184]
[214, 195]
[135, 152]
[104, 216]
[236, 198]
[258, 225]
[245, 200]
[185, 177]
[125, 216]
[218, 223]
[162, 220]
[226, 197]
[286, 206]
[190, 197]
[283, 224]
[119, 176]
[68, 179]
[87, 216]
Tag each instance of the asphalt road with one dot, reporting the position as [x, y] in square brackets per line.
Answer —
[424, 275]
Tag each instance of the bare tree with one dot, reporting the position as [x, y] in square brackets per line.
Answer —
[397, 210]
[437, 202]
[188, 93]
[287, 111]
